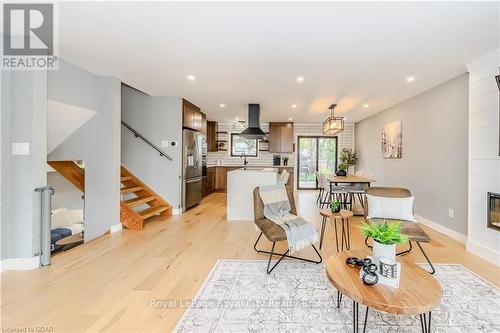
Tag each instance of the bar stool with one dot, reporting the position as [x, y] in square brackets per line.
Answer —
[343, 216]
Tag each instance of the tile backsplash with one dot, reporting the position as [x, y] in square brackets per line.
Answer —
[346, 140]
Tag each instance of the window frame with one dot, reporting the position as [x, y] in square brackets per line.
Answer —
[256, 146]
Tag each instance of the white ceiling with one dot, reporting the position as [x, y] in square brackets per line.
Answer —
[349, 53]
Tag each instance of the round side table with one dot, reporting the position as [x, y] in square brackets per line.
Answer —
[343, 216]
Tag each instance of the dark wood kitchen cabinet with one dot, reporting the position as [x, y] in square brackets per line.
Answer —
[281, 137]
[211, 136]
[192, 117]
[220, 178]
[210, 187]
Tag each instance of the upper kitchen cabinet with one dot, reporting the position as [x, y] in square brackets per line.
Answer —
[192, 117]
[281, 137]
[211, 136]
[204, 124]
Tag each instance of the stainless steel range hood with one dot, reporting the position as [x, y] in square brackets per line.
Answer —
[253, 130]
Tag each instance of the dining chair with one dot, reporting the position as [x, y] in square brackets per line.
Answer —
[320, 188]
[332, 192]
[283, 177]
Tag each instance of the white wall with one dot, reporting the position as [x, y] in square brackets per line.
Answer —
[434, 162]
[484, 160]
[157, 119]
[23, 119]
[97, 141]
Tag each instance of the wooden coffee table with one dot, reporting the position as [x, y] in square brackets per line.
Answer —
[343, 216]
[418, 293]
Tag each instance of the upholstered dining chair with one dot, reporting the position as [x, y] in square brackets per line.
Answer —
[412, 229]
[273, 232]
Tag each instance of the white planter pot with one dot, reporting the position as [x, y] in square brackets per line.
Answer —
[383, 251]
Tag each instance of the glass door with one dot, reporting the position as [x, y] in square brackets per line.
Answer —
[315, 153]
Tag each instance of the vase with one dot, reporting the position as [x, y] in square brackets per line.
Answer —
[383, 251]
[341, 173]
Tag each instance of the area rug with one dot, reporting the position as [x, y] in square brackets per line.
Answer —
[238, 296]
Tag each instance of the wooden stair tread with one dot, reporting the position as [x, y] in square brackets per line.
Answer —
[135, 219]
[131, 189]
[138, 201]
[148, 212]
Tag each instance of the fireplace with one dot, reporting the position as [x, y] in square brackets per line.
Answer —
[494, 211]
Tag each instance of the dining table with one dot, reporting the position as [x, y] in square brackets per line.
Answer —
[334, 179]
[351, 180]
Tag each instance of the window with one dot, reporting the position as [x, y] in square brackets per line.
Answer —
[241, 145]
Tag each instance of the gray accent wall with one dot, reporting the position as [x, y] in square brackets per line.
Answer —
[23, 119]
[97, 142]
[435, 141]
[158, 119]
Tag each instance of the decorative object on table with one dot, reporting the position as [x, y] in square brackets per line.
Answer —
[341, 172]
[392, 140]
[333, 125]
[388, 268]
[285, 160]
[335, 206]
[368, 269]
[385, 237]
[348, 158]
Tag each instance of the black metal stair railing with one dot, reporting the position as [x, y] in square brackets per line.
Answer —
[152, 145]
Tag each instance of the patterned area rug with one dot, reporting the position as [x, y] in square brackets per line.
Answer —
[238, 296]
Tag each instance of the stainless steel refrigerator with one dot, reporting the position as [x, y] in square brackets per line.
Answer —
[192, 147]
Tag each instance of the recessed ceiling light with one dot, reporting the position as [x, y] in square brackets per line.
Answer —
[410, 79]
[294, 106]
[365, 105]
[300, 79]
[290, 119]
[191, 77]
[222, 105]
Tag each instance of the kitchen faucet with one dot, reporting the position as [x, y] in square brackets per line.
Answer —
[245, 162]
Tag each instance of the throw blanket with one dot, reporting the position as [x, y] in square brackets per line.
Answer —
[299, 232]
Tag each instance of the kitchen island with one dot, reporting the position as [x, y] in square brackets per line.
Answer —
[240, 185]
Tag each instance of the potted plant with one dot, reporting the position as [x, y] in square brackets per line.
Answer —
[335, 206]
[385, 237]
[285, 160]
[348, 158]
[341, 172]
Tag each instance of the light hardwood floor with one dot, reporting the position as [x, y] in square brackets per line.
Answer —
[109, 284]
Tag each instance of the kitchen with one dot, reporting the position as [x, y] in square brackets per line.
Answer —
[219, 156]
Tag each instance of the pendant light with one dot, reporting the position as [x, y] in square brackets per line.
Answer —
[333, 125]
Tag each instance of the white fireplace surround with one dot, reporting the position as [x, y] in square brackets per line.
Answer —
[484, 162]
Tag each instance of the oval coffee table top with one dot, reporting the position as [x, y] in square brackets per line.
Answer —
[418, 291]
[343, 214]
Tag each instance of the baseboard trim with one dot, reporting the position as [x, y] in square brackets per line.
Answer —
[441, 229]
[176, 211]
[483, 252]
[19, 264]
[115, 228]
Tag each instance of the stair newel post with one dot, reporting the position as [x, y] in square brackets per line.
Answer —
[46, 193]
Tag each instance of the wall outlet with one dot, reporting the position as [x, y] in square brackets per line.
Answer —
[20, 148]
[451, 212]
[165, 143]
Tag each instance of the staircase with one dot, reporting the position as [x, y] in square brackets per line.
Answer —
[71, 171]
[139, 202]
